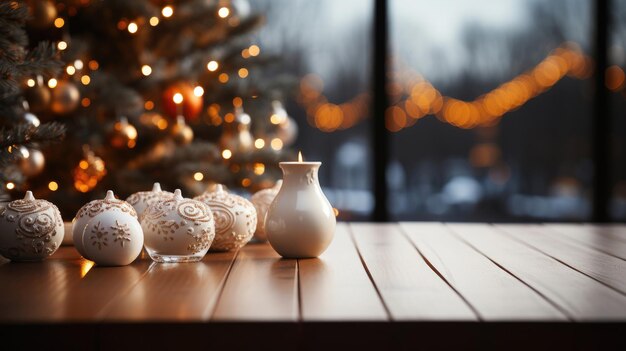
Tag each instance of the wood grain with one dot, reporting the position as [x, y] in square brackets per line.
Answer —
[605, 268]
[409, 287]
[579, 296]
[604, 239]
[64, 287]
[174, 291]
[494, 293]
[335, 286]
[260, 286]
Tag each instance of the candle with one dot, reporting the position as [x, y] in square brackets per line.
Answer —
[300, 222]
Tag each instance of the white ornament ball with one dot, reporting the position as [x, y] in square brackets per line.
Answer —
[92, 209]
[30, 229]
[235, 218]
[112, 238]
[141, 200]
[262, 200]
[178, 229]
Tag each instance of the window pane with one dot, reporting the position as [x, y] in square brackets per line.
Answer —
[326, 45]
[491, 110]
[615, 84]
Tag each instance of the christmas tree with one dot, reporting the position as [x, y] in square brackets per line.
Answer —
[170, 91]
[21, 132]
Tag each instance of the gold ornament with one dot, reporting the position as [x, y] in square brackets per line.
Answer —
[43, 13]
[181, 132]
[236, 136]
[31, 161]
[65, 97]
[122, 134]
[38, 96]
[90, 170]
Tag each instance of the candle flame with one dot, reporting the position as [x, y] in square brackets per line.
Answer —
[299, 156]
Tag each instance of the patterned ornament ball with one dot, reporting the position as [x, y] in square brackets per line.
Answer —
[190, 106]
[262, 200]
[236, 136]
[92, 209]
[178, 229]
[235, 218]
[112, 238]
[142, 199]
[30, 229]
[65, 98]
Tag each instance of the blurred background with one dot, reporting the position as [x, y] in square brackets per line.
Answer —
[491, 105]
[493, 110]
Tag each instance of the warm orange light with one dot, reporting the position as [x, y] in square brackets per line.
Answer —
[243, 72]
[259, 143]
[85, 80]
[154, 21]
[212, 66]
[226, 154]
[59, 22]
[53, 186]
[148, 105]
[52, 83]
[30, 82]
[61, 45]
[10, 185]
[146, 70]
[198, 91]
[167, 11]
[254, 50]
[276, 144]
[86, 265]
[70, 70]
[132, 28]
[198, 176]
[177, 98]
[259, 168]
[223, 78]
[223, 12]
[614, 78]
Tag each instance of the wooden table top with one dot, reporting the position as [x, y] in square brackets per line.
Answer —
[373, 278]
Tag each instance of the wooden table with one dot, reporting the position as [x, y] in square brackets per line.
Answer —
[378, 286]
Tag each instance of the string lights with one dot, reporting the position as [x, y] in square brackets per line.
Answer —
[423, 99]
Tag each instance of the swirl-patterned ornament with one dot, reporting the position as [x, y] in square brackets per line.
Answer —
[235, 218]
[178, 229]
[30, 229]
[141, 200]
[262, 200]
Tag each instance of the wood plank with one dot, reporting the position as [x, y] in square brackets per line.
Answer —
[184, 292]
[605, 239]
[64, 288]
[579, 296]
[495, 294]
[605, 268]
[260, 286]
[410, 289]
[335, 286]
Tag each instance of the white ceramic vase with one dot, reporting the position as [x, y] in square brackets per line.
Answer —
[300, 222]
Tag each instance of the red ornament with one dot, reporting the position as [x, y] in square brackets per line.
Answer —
[190, 106]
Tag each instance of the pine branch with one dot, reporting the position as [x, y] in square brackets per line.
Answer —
[26, 134]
